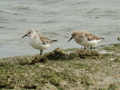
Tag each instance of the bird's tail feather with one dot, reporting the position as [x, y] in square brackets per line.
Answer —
[102, 38]
[53, 41]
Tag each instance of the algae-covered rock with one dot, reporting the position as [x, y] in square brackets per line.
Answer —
[73, 69]
[118, 38]
[62, 54]
[87, 53]
[57, 54]
[114, 48]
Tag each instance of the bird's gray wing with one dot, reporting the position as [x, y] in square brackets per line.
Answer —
[44, 39]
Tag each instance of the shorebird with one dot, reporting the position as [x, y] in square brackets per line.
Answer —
[38, 41]
[86, 39]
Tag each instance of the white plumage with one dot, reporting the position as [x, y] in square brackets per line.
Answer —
[37, 41]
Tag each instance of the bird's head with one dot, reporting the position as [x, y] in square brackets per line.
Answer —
[72, 36]
[30, 33]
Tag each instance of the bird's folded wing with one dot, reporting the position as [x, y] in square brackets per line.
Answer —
[44, 40]
[92, 37]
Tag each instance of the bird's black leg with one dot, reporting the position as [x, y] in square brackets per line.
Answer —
[41, 52]
[94, 48]
[85, 47]
[91, 47]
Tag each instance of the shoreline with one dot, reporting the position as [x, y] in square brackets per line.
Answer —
[60, 69]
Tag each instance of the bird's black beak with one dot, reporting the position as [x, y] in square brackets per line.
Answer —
[24, 35]
[70, 39]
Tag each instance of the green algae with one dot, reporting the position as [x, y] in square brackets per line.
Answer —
[113, 47]
[73, 69]
[118, 38]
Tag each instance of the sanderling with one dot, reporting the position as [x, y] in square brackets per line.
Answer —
[38, 41]
[86, 39]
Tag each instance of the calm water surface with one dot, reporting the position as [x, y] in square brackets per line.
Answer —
[54, 18]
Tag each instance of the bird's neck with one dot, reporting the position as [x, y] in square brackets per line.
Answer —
[34, 36]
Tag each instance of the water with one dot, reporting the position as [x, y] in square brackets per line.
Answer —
[54, 18]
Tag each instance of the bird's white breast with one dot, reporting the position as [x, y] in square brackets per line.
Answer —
[93, 42]
[37, 44]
